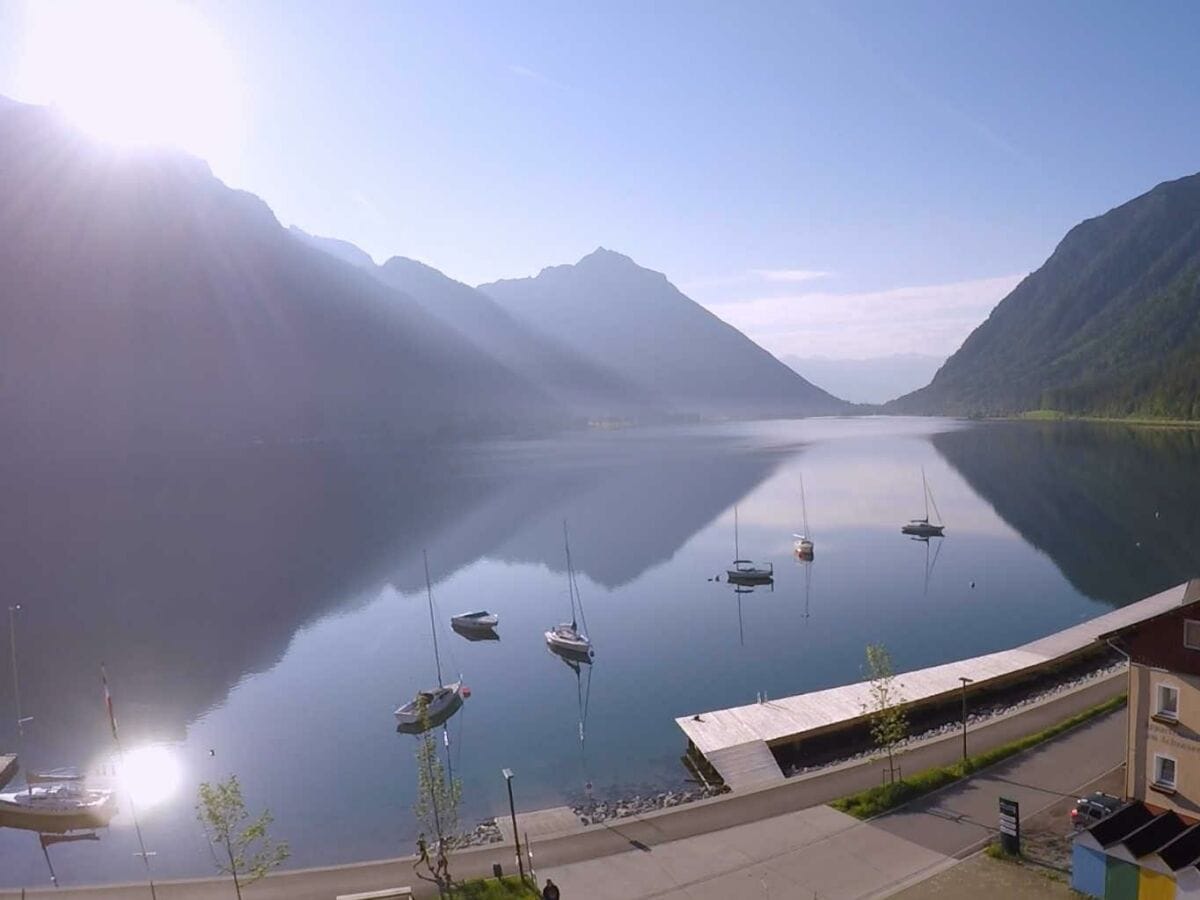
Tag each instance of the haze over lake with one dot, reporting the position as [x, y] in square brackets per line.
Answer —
[267, 604]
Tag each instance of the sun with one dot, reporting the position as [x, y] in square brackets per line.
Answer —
[134, 72]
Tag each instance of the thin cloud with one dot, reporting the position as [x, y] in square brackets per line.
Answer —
[790, 275]
[534, 75]
[926, 319]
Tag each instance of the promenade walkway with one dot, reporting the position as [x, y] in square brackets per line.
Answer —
[823, 853]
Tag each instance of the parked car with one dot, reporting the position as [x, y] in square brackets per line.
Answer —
[1091, 809]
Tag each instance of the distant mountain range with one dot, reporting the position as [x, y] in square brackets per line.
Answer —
[872, 380]
[633, 320]
[148, 305]
[1109, 325]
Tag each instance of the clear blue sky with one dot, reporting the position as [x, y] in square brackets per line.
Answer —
[891, 145]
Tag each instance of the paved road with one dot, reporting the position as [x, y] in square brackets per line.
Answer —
[822, 853]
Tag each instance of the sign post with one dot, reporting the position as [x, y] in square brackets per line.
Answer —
[1010, 826]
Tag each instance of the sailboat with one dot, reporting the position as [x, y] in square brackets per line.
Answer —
[744, 571]
[565, 638]
[802, 542]
[436, 705]
[42, 798]
[924, 527]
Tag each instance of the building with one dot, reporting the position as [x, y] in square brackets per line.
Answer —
[1150, 848]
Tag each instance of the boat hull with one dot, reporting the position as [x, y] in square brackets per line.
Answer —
[58, 803]
[567, 646]
[921, 529]
[444, 703]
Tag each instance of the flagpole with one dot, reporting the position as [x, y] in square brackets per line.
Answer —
[112, 721]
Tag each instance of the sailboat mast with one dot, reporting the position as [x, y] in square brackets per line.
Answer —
[737, 553]
[925, 487]
[804, 508]
[570, 574]
[12, 643]
[432, 623]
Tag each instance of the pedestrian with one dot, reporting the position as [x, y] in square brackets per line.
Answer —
[550, 891]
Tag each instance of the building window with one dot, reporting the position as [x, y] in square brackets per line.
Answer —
[1168, 702]
[1191, 634]
[1164, 772]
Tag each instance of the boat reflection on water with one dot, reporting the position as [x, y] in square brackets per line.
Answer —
[583, 693]
[474, 634]
[53, 832]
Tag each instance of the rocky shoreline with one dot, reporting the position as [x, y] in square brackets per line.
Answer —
[978, 717]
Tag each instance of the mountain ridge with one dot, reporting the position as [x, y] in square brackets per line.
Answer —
[1109, 325]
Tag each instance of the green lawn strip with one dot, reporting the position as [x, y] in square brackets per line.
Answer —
[508, 888]
[878, 800]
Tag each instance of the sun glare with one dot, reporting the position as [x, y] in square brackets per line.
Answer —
[134, 72]
[149, 775]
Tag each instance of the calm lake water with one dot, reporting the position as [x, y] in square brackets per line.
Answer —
[263, 612]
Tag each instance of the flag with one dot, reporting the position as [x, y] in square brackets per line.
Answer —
[112, 719]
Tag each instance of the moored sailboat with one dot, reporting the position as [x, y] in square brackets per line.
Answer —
[924, 527]
[433, 706]
[566, 638]
[803, 542]
[745, 571]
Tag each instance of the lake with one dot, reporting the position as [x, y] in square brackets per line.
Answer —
[262, 611]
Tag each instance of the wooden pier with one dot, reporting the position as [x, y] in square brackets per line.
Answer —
[8, 768]
[738, 742]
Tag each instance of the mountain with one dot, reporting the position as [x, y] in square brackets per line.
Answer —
[343, 250]
[873, 380]
[1109, 325]
[147, 305]
[633, 320]
[577, 383]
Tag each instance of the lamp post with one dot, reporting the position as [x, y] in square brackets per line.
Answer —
[508, 777]
[965, 681]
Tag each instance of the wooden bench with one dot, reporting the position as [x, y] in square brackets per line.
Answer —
[403, 893]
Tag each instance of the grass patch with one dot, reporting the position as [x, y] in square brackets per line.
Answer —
[507, 888]
[996, 851]
[878, 800]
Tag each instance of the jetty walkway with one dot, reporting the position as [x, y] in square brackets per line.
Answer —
[740, 743]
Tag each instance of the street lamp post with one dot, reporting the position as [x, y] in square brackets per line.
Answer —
[508, 777]
[965, 681]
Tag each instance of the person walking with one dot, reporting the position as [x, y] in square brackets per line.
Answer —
[550, 891]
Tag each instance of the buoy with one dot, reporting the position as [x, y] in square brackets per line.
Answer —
[972, 585]
[466, 691]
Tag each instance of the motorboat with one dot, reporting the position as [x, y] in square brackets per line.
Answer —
[566, 638]
[65, 800]
[925, 527]
[479, 620]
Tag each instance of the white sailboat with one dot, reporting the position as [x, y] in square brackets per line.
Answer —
[434, 706]
[57, 794]
[745, 571]
[565, 638]
[924, 527]
[803, 542]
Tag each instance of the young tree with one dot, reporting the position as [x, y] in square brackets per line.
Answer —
[249, 852]
[438, 799]
[889, 724]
